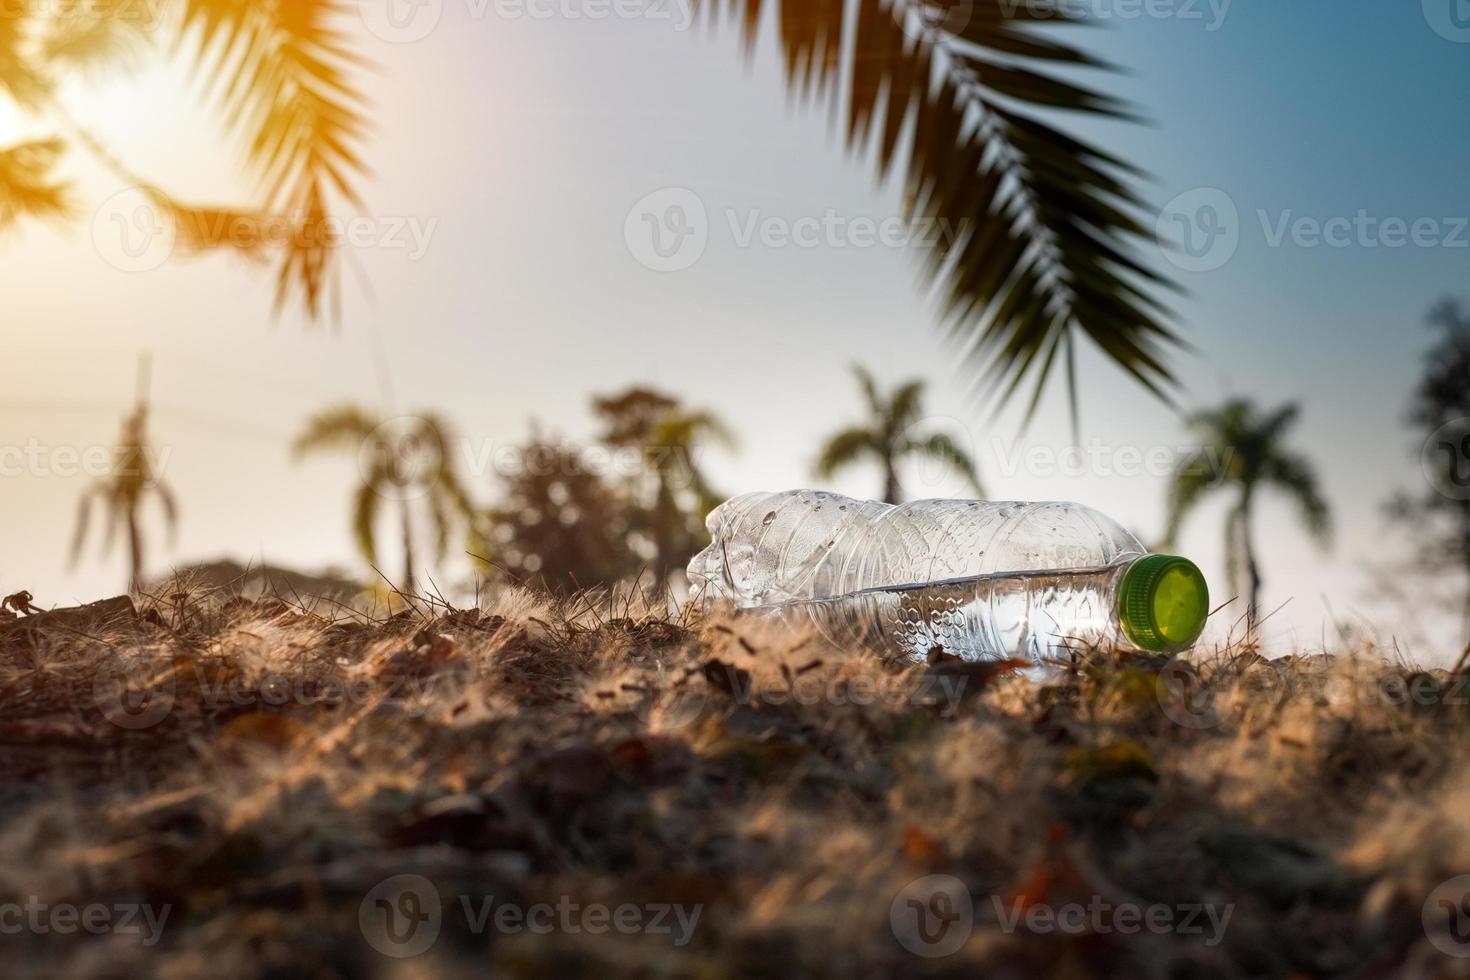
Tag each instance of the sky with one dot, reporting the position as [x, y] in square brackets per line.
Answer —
[517, 145]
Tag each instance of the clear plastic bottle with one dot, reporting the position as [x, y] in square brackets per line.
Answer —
[979, 579]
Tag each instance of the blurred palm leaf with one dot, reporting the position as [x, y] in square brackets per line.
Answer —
[285, 75]
[282, 73]
[96, 34]
[28, 187]
[1039, 227]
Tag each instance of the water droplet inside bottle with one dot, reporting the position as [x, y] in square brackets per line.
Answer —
[766, 522]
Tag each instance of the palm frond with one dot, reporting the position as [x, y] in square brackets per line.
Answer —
[170, 502]
[846, 448]
[1193, 478]
[440, 520]
[364, 517]
[906, 406]
[96, 34]
[96, 491]
[869, 386]
[682, 430]
[1040, 230]
[208, 229]
[286, 75]
[1237, 526]
[1293, 475]
[344, 427]
[19, 77]
[28, 189]
[941, 448]
[447, 482]
[1272, 428]
[115, 507]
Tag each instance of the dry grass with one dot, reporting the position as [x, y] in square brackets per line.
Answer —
[290, 761]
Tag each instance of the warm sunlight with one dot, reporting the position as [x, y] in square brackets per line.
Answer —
[723, 488]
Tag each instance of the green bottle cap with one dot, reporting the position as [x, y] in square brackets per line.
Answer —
[1163, 602]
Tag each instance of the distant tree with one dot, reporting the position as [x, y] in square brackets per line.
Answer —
[1440, 410]
[122, 494]
[887, 438]
[560, 526]
[1242, 450]
[671, 495]
[406, 460]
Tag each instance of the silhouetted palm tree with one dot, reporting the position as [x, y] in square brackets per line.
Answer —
[1243, 450]
[888, 438]
[672, 495]
[404, 460]
[122, 493]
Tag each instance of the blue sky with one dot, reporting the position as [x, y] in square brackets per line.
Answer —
[521, 144]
